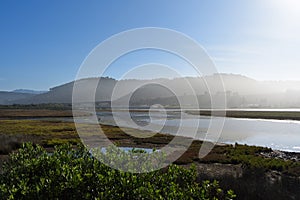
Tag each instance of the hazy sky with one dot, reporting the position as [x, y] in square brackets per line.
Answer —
[43, 43]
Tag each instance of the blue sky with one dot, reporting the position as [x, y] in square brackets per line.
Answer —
[43, 43]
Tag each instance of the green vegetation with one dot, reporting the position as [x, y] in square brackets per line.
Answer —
[47, 133]
[280, 115]
[68, 173]
[50, 133]
[254, 163]
[31, 113]
[34, 111]
[251, 157]
[57, 141]
[48, 106]
[36, 127]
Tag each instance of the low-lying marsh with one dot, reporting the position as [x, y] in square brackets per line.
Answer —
[249, 160]
[50, 133]
[280, 115]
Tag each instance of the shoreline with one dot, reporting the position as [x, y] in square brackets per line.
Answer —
[58, 115]
[237, 166]
[268, 115]
[62, 131]
[10, 113]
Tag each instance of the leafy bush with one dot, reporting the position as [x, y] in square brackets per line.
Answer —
[68, 173]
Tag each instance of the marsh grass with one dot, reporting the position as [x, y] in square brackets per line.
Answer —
[54, 132]
[36, 127]
[280, 115]
[50, 133]
[47, 133]
[25, 113]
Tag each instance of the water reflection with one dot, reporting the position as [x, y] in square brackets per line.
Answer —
[277, 134]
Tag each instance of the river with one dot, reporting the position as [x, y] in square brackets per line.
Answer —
[276, 134]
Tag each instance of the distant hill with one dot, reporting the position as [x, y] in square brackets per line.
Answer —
[25, 91]
[10, 97]
[241, 91]
[63, 93]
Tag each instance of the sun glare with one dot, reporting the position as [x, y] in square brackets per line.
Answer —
[287, 16]
[289, 7]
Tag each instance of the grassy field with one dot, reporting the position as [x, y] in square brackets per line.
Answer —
[45, 106]
[33, 113]
[52, 132]
[280, 115]
[49, 133]
[238, 167]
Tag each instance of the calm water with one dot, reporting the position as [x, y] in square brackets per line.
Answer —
[277, 134]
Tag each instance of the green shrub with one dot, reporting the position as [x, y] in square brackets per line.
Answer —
[67, 173]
